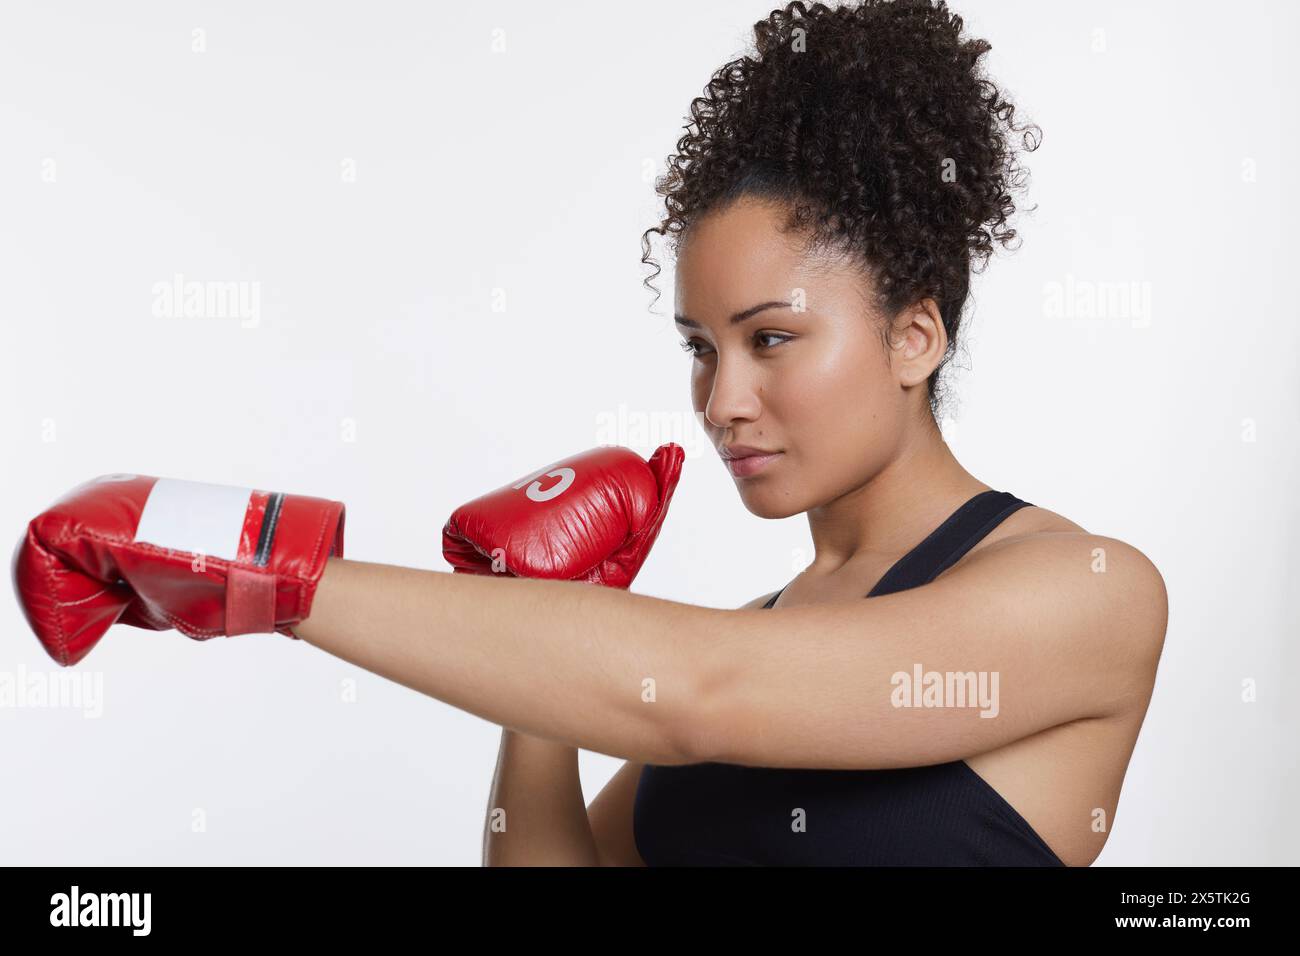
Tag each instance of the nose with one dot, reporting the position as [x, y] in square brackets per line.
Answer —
[733, 393]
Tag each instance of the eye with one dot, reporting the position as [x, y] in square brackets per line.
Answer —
[771, 335]
[693, 346]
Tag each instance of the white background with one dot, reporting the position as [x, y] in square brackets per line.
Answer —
[384, 371]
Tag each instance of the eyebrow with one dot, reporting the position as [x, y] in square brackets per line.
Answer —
[739, 316]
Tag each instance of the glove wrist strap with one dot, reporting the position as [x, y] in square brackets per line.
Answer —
[250, 601]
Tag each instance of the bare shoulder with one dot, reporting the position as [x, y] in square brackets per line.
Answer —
[1105, 580]
[1043, 532]
[1048, 533]
[1034, 519]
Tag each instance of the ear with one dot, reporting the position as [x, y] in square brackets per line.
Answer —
[917, 342]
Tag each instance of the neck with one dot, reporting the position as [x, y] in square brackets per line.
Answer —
[893, 511]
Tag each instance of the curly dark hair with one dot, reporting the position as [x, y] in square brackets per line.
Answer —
[874, 124]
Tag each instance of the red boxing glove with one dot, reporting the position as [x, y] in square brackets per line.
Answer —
[592, 517]
[207, 560]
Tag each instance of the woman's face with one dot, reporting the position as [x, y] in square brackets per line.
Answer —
[789, 361]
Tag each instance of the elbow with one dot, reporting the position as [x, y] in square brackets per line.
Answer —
[686, 740]
[684, 743]
[693, 725]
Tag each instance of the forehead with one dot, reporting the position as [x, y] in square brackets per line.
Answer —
[737, 247]
[734, 257]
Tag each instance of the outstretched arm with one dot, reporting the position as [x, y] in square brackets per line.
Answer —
[597, 668]
[655, 681]
[1031, 633]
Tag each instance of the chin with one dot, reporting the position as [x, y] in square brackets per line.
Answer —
[769, 503]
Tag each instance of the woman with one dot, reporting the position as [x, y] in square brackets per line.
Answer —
[830, 198]
[829, 203]
[860, 159]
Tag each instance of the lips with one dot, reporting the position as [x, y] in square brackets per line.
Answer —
[744, 462]
[743, 451]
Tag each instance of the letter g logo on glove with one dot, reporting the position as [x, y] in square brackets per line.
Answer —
[596, 523]
[535, 493]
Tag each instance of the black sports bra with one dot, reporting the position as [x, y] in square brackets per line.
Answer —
[716, 814]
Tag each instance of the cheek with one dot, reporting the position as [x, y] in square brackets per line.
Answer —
[837, 381]
[839, 419]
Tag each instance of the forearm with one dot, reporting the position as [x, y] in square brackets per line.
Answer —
[536, 814]
[561, 660]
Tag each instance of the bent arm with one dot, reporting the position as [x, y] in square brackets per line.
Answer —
[601, 669]
[611, 817]
[535, 810]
